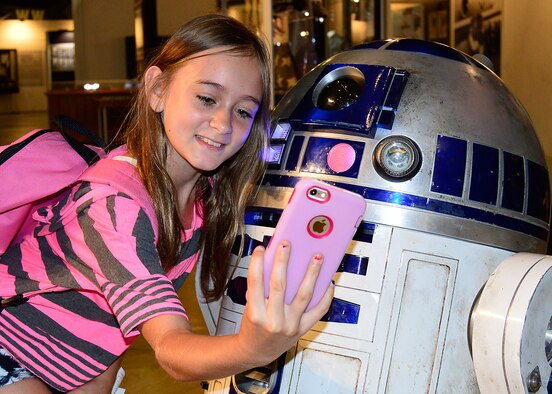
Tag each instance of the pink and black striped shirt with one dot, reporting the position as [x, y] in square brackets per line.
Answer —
[94, 250]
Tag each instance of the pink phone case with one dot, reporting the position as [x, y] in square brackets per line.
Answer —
[314, 222]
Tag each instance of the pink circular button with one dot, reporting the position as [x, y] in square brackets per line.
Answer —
[341, 157]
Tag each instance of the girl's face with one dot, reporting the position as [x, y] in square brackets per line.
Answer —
[208, 108]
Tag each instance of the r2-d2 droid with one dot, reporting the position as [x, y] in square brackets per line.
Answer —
[445, 287]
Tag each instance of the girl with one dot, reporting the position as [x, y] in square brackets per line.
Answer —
[194, 140]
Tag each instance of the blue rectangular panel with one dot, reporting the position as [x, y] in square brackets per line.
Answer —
[396, 90]
[258, 216]
[236, 290]
[274, 153]
[353, 264]
[292, 161]
[342, 311]
[365, 232]
[538, 195]
[281, 131]
[513, 191]
[319, 155]
[249, 244]
[450, 166]
[484, 178]
[386, 119]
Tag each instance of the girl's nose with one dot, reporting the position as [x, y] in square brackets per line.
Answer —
[222, 122]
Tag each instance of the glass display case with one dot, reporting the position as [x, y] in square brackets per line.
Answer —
[8, 71]
[303, 33]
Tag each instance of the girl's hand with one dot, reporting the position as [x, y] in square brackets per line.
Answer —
[270, 327]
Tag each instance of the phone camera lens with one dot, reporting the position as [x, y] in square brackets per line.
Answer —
[312, 192]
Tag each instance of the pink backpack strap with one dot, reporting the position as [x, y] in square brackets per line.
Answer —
[37, 166]
[122, 176]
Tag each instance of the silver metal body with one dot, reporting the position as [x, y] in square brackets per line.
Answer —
[412, 277]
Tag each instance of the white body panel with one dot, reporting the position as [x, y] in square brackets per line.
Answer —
[412, 330]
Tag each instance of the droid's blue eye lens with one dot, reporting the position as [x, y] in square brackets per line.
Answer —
[339, 88]
[397, 158]
[339, 94]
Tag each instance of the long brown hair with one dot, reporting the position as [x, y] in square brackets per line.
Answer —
[233, 182]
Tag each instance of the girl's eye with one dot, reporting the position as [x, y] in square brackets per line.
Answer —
[244, 114]
[205, 100]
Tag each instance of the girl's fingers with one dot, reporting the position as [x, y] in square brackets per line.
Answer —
[304, 294]
[255, 286]
[323, 306]
[277, 289]
[278, 317]
[314, 315]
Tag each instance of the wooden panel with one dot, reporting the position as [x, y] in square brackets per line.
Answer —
[102, 111]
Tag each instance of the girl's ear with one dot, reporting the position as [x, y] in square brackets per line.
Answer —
[154, 88]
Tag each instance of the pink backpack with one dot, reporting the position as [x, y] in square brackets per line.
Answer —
[44, 162]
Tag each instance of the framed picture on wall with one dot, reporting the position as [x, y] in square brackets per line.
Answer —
[408, 20]
[438, 26]
[438, 21]
[477, 26]
[8, 71]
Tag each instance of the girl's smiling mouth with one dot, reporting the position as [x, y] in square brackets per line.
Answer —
[209, 142]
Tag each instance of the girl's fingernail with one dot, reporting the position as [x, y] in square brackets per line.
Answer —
[317, 257]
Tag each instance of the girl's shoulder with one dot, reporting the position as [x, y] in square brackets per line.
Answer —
[106, 180]
[119, 171]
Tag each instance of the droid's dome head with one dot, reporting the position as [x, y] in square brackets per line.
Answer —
[431, 137]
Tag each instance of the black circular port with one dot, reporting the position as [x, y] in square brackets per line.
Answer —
[339, 88]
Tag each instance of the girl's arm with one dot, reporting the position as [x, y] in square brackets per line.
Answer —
[268, 327]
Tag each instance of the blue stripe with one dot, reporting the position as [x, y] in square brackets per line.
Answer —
[420, 46]
[371, 45]
[352, 264]
[429, 48]
[425, 203]
[268, 217]
[340, 311]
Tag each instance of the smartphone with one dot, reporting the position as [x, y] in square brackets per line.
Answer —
[318, 218]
